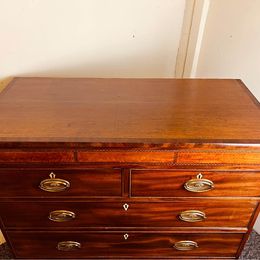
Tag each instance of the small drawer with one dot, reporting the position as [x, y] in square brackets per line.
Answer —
[178, 213]
[36, 156]
[172, 183]
[122, 244]
[61, 183]
[218, 157]
[111, 156]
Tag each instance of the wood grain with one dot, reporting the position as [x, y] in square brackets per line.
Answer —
[142, 215]
[170, 183]
[126, 156]
[36, 156]
[121, 110]
[88, 182]
[113, 245]
[218, 157]
[134, 141]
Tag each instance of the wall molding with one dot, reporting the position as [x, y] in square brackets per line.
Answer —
[194, 21]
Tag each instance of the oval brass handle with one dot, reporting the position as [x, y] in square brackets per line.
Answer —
[185, 245]
[192, 216]
[199, 184]
[61, 215]
[68, 245]
[54, 184]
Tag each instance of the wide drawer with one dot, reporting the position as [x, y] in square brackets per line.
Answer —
[122, 244]
[170, 183]
[179, 213]
[71, 182]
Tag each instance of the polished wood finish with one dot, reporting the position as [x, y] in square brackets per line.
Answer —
[126, 156]
[218, 157]
[124, 149]
[113, 244]
[36, 156]
[89, 215]
[170, 183]
[128, 110]
[89, 182]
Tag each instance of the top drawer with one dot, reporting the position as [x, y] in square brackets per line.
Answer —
[122, 156]
[170, 183]
[47, 183]
[218, 157]
[46, 156]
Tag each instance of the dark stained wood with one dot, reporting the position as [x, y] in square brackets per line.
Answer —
[251, 225]
[219, 213]
[126, 156]
[88, 182]
[121, 110]
[158, 144]
[170, 183]
[113, 245]
[218, 157]
[132, 156]
[36, 156]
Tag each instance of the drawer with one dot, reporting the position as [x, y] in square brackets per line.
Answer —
[36, 156]
[121, 244]
[179, 213]
[218, 157]
[170, 183]
[122, 156]
[61, 183]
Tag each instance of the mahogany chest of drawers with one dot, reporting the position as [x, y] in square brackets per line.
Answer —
[128, 168]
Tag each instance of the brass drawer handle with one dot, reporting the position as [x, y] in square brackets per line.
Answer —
[61, 215]
[68, 245]
[192, 216]
[199, 184]
[54, 184]
[185, 245]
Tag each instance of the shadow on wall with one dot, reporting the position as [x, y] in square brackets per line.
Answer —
[138, 65]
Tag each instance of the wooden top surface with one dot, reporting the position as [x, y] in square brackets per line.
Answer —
[128, 111]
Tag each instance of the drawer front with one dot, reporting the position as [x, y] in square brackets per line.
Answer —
[121, 244]
[180, 213]
[122, 156]
[218, 157]
[36, 156]
[169, 183]
[89, 182]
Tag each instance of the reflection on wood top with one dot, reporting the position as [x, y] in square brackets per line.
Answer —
[128, 110]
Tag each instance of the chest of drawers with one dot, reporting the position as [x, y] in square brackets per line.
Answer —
[128, 168]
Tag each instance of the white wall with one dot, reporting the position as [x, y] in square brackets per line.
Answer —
[231, 44]
[96, 38]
